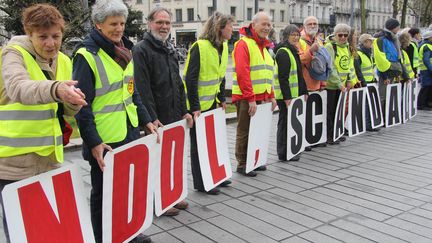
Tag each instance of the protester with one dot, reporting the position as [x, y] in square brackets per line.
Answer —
[102, 65]
[289, 84]
[252, 63]
[387, 56]
[364, 68]
[340, 77]
[412, 49]
[425, 68]
[35, 77]
[158, 79]
[405, 42]
[204, 73]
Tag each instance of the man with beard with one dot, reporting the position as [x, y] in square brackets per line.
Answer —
[156, 73]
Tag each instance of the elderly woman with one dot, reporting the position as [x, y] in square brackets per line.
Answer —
[405, 42]
[102, 65]
[206, 62]
[289, 83]
[35, 78]
[341, 75]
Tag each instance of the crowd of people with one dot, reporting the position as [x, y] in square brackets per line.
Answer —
[122, 88]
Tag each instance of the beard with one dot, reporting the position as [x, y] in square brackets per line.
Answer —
[312, 32]
[159, 37]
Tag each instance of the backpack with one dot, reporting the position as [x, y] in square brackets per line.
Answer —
[321, 65]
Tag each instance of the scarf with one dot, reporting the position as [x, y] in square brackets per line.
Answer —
[122, 55]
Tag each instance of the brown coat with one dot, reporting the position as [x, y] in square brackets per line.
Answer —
[16, 86]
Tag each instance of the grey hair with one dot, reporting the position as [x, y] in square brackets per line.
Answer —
[308, 18]
[342, 28]
[106, 8]
[151, 15]
[257, 16]
[288, 30]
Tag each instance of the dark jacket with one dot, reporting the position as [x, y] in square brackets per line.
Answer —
[391, 73]
[410, 51]
[86, 82]
[158, 79]
[192, 75]
[426, 75]
[358, 62]
[284, 66]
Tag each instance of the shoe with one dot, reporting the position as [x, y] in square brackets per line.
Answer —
[182, 205]
[295, 158]
[342, 139]
[424, 108]
[282, 159]
[321, 145]
[261, 168]
[171, 212]
[225, 183]
[243, 172]
[333, 142]
[373, 130]
[214, 191]
[141, 238]
[308, 148]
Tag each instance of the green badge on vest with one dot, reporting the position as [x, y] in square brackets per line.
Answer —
[344, 62]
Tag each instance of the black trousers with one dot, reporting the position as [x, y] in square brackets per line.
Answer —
[424, 96]
[195, 165]
[3, 183]
[332, 99]
[281, 134]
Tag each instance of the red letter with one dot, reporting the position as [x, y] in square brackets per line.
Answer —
[218, 171]
[138, 156]
[170, 193]
[40, 222]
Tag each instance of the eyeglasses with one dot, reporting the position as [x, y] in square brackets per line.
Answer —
[312, 24]
[295, 34]
[342, 35]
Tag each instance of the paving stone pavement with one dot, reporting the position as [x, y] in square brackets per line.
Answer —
[376, 187]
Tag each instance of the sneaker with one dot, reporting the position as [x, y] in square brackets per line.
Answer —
[332, 142]
[182, 205]
[373, 130]
[295, 158]
[261, 168]
[141, 238]
[225, 183]
[171, 212]
[308, 148]
[243, 172]
[424, 108]
[214, 191]
[342, 139]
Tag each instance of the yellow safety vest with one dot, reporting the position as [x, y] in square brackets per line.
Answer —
[33, 128]
[366, 67]
[113, 103]
[407, 64]
[344, 63]
[261, 69]
[212, 71]
[422, 66]
[380, 57]
[293, 78]
[416, 60]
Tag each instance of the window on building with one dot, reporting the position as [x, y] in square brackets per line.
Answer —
[210, 11]
[282, 1]
[292, 11]
[324, 13]
[190, 14]
[261, 9]
[272, 14]
[282, 16]
[249, 13]
[139, 2]
[179, 17]
[309, 11]
[317, 11]
[301, 10]
[233, 11]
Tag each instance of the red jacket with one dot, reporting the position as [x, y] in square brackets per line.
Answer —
[242, 67]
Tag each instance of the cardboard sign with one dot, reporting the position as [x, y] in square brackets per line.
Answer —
[413, 96]
[356, 118]
[128, 182]
[259, 136]
[316, 118]
[406, 101]
[374, 102]
[171, 182]
[339, 119]
[50, 207]
[213, 148]
[296, 116]
[393, 108]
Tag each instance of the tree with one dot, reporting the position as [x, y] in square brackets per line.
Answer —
[404, 13]
[134, 26]
[72, 11]
[363, 15]
[395, 8]
[422, 10]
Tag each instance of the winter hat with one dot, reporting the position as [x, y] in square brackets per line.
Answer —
[391, 23]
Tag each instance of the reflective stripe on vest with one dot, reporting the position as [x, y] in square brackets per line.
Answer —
[33, 128]
[380, 57]
[416, 59]
[344, 63]
[366, 67]
[261, 69]
[293, 78]
[113, 103]
[422, 66]
[212, 71]
[407, 64]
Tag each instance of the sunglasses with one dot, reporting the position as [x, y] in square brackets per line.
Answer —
[342, 35]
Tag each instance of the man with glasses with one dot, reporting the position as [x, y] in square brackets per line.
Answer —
[157, 77]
